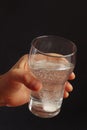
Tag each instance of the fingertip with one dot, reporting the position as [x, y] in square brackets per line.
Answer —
[72, 76]
[66, 94]
[36, 85]
[68, 87]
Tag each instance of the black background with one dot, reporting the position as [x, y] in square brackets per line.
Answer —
[20, 22]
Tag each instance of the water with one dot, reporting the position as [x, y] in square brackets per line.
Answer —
[47, 102]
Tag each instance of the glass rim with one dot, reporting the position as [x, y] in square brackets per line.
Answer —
[55, 36]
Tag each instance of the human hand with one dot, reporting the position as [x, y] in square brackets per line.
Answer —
[16, 84]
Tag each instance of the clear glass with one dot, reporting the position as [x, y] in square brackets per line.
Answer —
[51, 60]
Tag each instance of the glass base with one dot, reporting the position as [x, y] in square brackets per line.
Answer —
[39, 111]
[43, 114]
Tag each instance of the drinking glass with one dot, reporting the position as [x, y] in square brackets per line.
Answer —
[51, 60]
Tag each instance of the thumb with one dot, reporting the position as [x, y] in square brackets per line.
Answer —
[27, 78]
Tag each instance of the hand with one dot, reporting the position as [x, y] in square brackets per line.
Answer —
[16, 84]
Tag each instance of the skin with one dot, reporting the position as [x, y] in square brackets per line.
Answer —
[16, 84]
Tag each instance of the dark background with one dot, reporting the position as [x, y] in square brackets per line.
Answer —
[20, 22]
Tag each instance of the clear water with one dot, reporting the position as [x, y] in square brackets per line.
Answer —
[47, 102]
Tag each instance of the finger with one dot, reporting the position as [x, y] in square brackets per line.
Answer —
[25, 77]
[68, 87]
[66, 94]
[72, 76]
